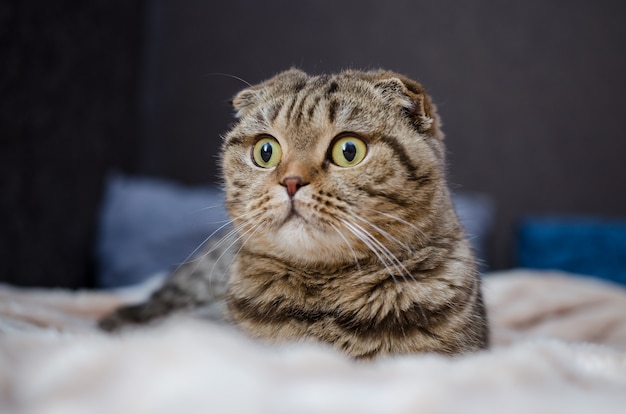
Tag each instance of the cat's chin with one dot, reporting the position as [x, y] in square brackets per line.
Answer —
[299, 240]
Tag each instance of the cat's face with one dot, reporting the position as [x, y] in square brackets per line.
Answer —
[334, 168]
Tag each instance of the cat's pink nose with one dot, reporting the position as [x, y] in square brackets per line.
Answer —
[293, 184]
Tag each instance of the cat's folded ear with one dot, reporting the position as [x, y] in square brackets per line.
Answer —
[413, 98]
[250, 97]
[244, 100]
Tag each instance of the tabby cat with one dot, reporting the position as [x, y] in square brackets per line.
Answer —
[345, 230]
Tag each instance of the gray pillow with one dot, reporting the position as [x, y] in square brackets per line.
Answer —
[149, 225]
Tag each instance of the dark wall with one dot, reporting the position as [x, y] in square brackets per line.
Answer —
[68, 114]
[531, 94]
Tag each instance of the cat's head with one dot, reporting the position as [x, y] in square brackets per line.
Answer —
[334, 167]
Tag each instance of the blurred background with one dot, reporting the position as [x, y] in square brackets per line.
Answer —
[532, 95]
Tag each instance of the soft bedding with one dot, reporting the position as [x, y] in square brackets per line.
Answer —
[559, 345]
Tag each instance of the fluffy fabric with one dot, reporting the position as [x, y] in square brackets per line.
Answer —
[559, 346]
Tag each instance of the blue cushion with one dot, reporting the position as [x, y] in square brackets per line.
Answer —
[586, 246]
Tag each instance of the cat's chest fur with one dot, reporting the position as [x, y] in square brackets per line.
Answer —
[361, 310]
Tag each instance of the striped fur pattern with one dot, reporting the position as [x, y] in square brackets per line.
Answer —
[368, 257]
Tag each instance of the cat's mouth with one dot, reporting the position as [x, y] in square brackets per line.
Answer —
[294, 215]
[295, 218]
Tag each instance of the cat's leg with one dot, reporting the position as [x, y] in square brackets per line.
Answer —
[198, 287]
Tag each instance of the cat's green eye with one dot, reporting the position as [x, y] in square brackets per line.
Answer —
[266, 152]
[348, 151]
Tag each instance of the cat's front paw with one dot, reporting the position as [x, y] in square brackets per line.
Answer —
[127, 316]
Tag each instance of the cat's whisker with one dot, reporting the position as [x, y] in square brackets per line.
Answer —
[207, 208]
[356, 260]
[245, 217]
[230, 75]
[401, 220]
[393, 240]
[220, 222]
[234, 233]
[367, 240]
[385, 250]
[384, 233]
[223, 239]
[189, 259]
[395, 262]
[252, 230]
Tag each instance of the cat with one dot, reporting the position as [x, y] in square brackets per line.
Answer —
[345, 230]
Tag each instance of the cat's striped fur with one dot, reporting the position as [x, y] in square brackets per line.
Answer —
[368, 257]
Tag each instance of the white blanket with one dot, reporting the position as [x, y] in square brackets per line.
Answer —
[559, 345]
